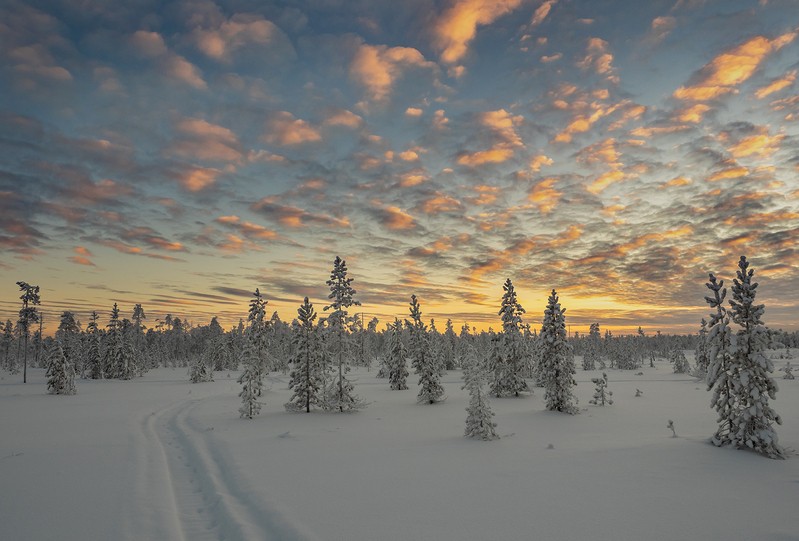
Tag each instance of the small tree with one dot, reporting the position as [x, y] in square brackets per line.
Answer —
[306, 378]
[701, 359]
[251, 381]
[678, 361]
[429, 376]
[788, 369]
[60, 372]
[199, 371]
[397, 358]
[557, 361]
[479, 423]
[593, 346]
[602, 395]
[6, 341]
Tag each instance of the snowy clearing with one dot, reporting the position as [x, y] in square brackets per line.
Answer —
[160, 458]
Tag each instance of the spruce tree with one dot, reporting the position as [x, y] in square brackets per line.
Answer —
[28, 315]
[602, 395]
[306, 377]
[508, 364]
[678, 361]
[557, 362]
[199, 370]
[396, 358]
[721, 370]
[423, 363]
[701, 359]
[94, 359]
[257, 328]
[592, 350]
[341, 394]
[251, 381]
[114, 356]
[6, 341]
[479, 416]
[60, 372]
[752, 427]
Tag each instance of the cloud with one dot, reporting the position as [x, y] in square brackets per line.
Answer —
[501, 126]
[726, 71]
[660, 28]
[345, 118]
[776, 85]
[394, 218]
[541, 12]
[152, 45]
[148, 236]
[286, 130]
[377, 67]
[761, 145]
[148, 44]
[599, 59]
[247, 229]
[81, 257]
[457, 26]
[539, 161]
[439, 202]
[413, 112]
[294, 217]
[605, 180]
[205, 141]
[36, 61]
[544, 196]
[197, 179]
[242, 31]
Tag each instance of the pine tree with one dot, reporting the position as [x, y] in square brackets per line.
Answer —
[678, 361]
[479, 423]
[60, 372]
[94, 359]
[199, 371]
[752, 427]
[341, 394]
[602, 395]
[508, 361]
[114, 359]
[701, 359]
[251, 380]
[257, 328]
[28, 315]
[557, 361]
[306, 378]
[6, 341]
[396, 359]
[423, 363]
[788, 369]
[721, 370]
[593, 346]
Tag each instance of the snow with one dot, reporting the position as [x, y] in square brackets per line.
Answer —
[160, 458]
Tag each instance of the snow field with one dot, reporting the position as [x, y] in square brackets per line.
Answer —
[160, 458]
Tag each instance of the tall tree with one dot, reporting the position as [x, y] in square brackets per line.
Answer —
[60, 372]
[397, 358]
[306, 379]
[557, 361]
[257, 326]
[421, 358]
[94, 359]
[753, 425]
[342, 296]
[479, 416]
[508, 365]
[6, 340]
[28, 315]
[251, 381]
[721, 371]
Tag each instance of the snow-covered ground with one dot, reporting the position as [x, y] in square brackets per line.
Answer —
[158, 458]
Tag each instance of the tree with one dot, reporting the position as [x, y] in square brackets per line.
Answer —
[140, 357]
[508, 363]
[306, 379]
[94, 359]
[424, 365]
[27, 316]
[721, 369]
[257, 327]
[602, 395]
[251, 380]
[678, 361]
[557, 361]
[396, 360]
[752, 426]
[479, 423]
[60, 372]
[341, 395]
[68, 334]
[593, 347]
[6, 340]
[701, 359]
[199, 371]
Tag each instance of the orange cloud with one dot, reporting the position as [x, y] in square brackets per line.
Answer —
[240, 31]
[545, 196]
[676, 182]
[199, 178]
[605, 180]
[539, 161]
[728, 70]
[582, 123]
[481, 157]
[761, 145]
[599, 59]
[81, 257]
[729, 173]
[413, 111]
[295, 217]
[396, 219]
[502, 124]
[486, 195]
[693, 114]
[345, 118]
[572, 233]
[776, 85]
[440, 203]
[285, 130]
[457, 25]
[182, 70]
[377, 67]
[602, 152]
[542, 11]
[206, 141]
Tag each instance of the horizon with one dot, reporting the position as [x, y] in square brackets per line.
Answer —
[180, 157]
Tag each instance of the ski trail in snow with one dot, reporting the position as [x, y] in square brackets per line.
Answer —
[189, 489]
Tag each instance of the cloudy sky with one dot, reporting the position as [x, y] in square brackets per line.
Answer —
[181, 154]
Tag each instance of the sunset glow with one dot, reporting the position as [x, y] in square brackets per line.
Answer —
[181, 154]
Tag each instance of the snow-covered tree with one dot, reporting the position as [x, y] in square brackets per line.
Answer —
[508, 365]
[6, 340]
[678, 361]
[788, 369]
[602, 395]
[94, 359]
[60, 372]
[341, 393]
[557, 362]
[199, 371]
[257, 327]
[701, 359]
[306, 377]
[721, 371]
[251, 381]
[593, 347]
[423, 363]
[753, 425]
[397, 358]
[479, 416]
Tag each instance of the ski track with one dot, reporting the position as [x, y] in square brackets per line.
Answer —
[189, 489]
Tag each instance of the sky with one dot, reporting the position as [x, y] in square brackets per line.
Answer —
[180, 154]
